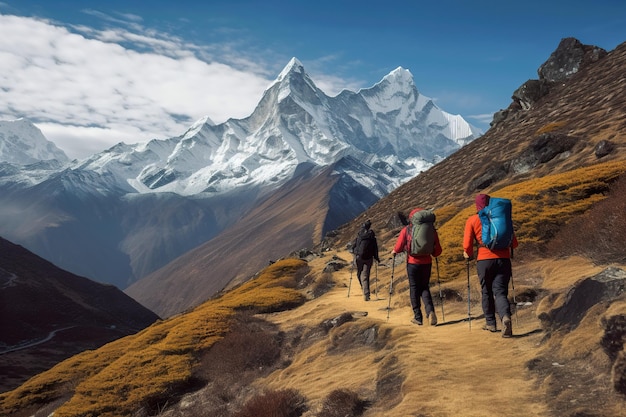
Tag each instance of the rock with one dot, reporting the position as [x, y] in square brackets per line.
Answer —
[608, 285]
[491, 175]
[568, 58]
[530, 92]
[603, 148]
[614, 335]
[541, 150]
[618, 373]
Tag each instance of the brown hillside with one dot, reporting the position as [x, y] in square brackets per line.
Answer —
[48, 314]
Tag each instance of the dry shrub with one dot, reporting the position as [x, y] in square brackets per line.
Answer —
[282, 403]
[551, 127]
[252, 344]
[342, 403]
[322, 285]
[600, 233]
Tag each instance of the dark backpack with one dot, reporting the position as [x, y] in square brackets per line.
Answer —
[497, 223]
[365, 246]
[421, 233]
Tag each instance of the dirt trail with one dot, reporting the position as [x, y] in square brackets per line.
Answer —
[438, 371]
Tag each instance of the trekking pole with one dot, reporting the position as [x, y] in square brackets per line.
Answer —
[350, 282]
[513, 285]
[443, 316]
[469, 308]
[393, 264]
[377, 280]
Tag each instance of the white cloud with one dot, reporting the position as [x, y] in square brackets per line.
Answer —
[484, 119]
[88, 90]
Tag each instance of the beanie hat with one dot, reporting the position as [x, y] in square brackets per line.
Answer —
[482, 200]
[367, 224]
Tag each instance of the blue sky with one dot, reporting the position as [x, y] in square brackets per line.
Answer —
[91, 74]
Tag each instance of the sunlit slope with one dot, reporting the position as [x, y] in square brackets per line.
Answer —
[135, 371]
[540, 207]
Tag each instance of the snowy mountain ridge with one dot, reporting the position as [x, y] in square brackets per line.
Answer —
[22, 143]
[389, 125]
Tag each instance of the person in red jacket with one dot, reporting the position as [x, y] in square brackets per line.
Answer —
[494, 271]
[418, 270]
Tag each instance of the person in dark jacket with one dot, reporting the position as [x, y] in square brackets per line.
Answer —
[494, 271]
[365, 250]
[418, 270]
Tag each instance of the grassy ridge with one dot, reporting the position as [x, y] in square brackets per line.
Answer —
[147, 368]
[540, 207]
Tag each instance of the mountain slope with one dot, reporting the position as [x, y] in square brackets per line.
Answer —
[342, 353]
[49, 314]
[292, 217]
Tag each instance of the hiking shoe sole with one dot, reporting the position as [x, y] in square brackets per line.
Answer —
[507, 327]
[490, 327]
[415, 321]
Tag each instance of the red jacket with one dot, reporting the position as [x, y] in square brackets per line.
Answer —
[473, 232]
[402, 245]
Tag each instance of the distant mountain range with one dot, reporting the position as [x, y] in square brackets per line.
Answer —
[126, 212]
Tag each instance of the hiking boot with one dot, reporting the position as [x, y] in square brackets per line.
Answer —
[417, 321]
[507, 328]
[490, 327]
[433, 319]
[367, 298]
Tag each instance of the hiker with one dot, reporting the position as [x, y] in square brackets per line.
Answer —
[418, 266]
[494, 270]
[365, 250]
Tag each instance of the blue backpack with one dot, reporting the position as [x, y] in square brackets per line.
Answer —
[497, 224]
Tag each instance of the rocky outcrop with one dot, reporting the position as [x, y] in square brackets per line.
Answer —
[568, 59]
[603, 289]
[542, 149]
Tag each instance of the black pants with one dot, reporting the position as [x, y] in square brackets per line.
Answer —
[494, 275]
[419, 288]
[363, 269]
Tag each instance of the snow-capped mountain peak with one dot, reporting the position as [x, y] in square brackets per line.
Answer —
[400, 76]
[389, 127]
[294, 65]
[22, 143]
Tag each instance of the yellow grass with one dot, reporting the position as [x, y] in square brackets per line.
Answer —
[554, 199]
[444, 371]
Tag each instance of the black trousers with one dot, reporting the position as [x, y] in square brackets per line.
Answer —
[363, 269]
[494, 275]
[419, 288]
